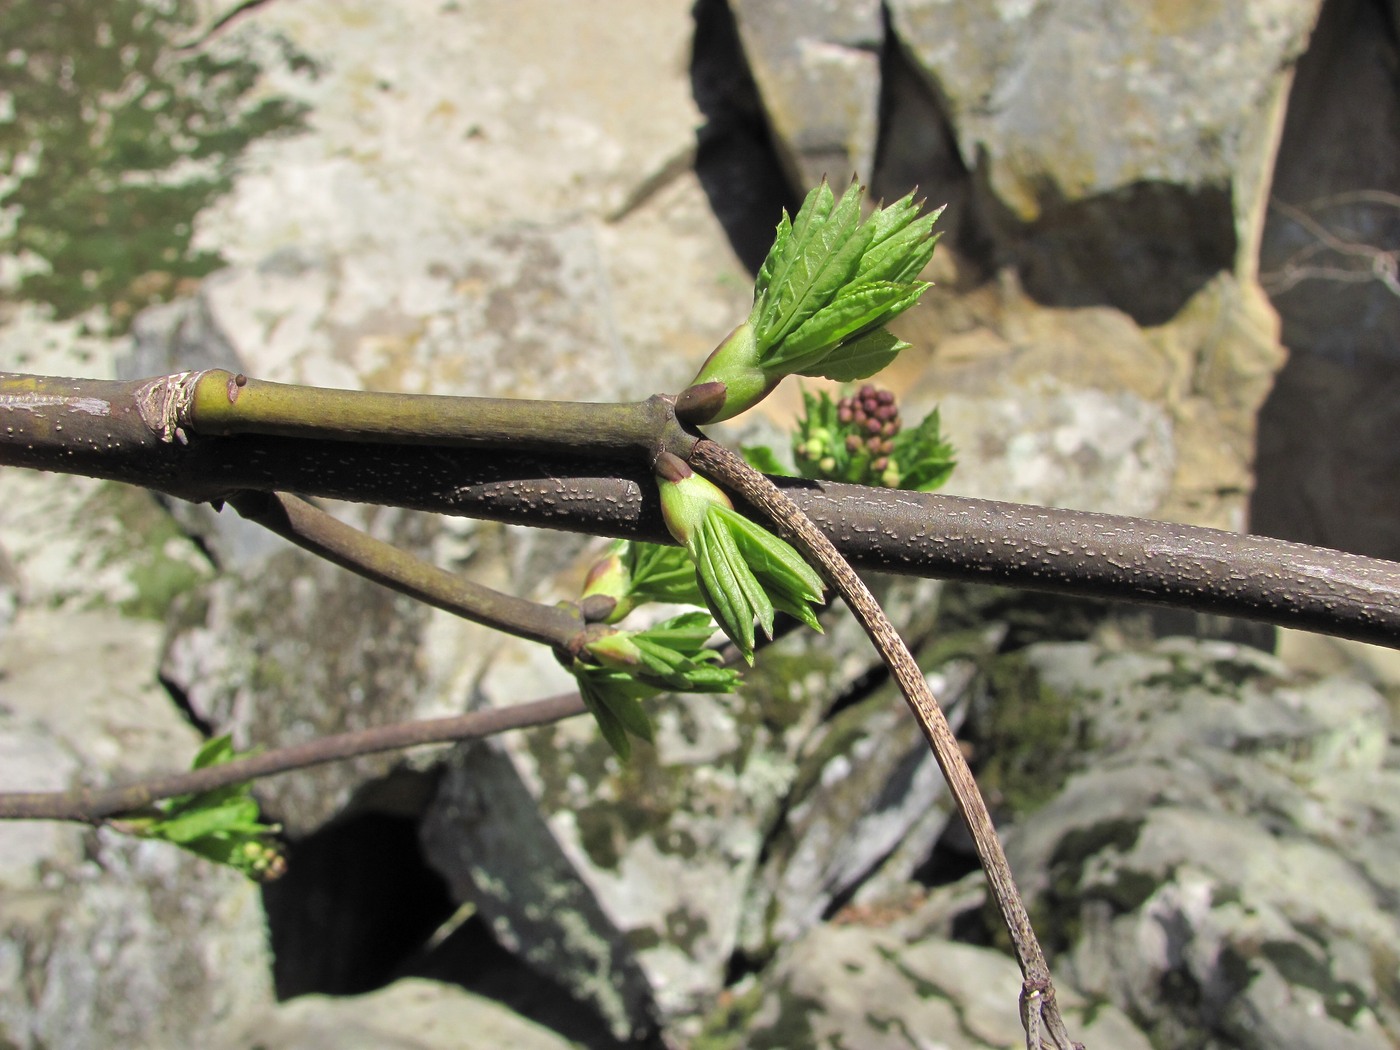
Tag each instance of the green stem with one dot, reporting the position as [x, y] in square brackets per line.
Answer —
[316, 531]
[223, 403]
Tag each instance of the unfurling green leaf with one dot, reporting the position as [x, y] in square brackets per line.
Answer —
[922, 456]
[221, 825]
[632, 573]
[828, 286]
[745, 573]
[618, 670]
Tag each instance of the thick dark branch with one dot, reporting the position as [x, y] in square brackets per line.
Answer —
[924, 534]
[97, 804]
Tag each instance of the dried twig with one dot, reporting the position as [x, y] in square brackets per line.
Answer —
[1039, 1007]
[95, 805]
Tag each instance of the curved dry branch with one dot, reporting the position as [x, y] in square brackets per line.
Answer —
[1038, 1004]
[94, 805]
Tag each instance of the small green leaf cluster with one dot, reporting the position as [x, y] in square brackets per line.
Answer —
[861, 439]
[829, 284]
[744, 572]
[632, 574]
[221, 825]
[738, 570]
[620, 669]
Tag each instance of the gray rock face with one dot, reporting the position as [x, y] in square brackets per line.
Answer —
[1223, 867]
[1174, 113]
[856, 986]
[406, 1015]
[105, 940]
[509, 199]
[818, 68]
[869, 792]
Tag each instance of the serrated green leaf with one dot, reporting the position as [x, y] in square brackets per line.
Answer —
[860, 358]
[774, 256]
[923, 457]
[631, 715]
[772, 556]
[723, 595]
[686, 633]
[857, 310]
[826, 261]
[755, 601]
[614, 732]
[662, 574]
[902, 256]
[800, 611]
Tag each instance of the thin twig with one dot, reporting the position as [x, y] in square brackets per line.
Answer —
[1038, 992]
[94, 805]
[323, 535]
[1381, 265]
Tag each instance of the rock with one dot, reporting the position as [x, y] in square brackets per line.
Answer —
[134, 944]
[652, 858]
[1217, 869]
[1097, 141]
[406, 1015]
[1082, 408]
[869, 787]
[631, 885]
[105, 939]
[818, 69]
[113, 713]
[857, 986]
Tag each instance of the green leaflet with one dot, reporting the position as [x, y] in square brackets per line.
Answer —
[636, 665]
[775, 254]
[723, 596]
[238, 815]
[860, 358]
[661, 574]
[765, 460]
[822, 264]
[903, 242]
[602, 704]
[732, 587]
[222, 825]
[771, 557]
[924, 458]
[786, 249]
[858, 309]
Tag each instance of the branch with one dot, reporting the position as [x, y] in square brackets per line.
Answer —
[1038, 992]
[92, 806]
[321, 534]
[94, 428]
[220, 403]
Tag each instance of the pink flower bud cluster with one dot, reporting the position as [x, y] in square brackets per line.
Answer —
[875, 416]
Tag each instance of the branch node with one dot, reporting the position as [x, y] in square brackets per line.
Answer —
[165, 402]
